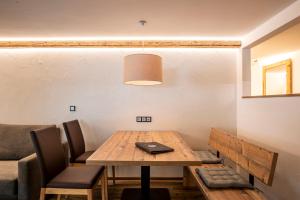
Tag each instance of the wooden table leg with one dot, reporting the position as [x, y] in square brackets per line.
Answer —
[145, 192]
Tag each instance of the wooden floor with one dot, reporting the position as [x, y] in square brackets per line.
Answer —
[177, 191]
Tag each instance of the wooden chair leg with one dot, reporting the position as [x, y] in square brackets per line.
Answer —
[90, 194]
[42, 194]
[113, 168]
[104, 185]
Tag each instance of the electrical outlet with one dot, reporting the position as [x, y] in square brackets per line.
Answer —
[143, 119]
[138, 119]
[148, 119]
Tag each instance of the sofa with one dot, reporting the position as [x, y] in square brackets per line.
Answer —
[19, 169]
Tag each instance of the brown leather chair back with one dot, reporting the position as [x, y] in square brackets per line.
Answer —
[75, 139]
[50, 152]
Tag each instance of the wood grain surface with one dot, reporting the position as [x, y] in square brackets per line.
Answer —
[120, 149]
[122, 44]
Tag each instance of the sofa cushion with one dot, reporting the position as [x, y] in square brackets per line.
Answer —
[208, 157]
[8, 177]
[222, 178]
[15, 142]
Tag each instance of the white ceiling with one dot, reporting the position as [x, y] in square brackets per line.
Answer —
[178, 18]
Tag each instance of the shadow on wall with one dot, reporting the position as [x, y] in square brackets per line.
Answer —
[90, 135]
[200, 144]
[170, 77]
[286, 178]
[211, 74]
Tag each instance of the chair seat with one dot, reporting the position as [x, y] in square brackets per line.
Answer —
[8, 177]
[83, 177]
[83, 157]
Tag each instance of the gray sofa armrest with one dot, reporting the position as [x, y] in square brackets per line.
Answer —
[29, 180]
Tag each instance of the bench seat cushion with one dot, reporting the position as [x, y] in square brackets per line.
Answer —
[8, 178]
[208, 157]
[222, 178]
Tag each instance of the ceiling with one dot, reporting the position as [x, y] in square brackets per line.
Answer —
[284, 42]
[93, 18]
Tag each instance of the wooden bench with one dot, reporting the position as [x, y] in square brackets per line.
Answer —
[256, 161]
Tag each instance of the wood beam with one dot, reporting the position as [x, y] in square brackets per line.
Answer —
[122, 44]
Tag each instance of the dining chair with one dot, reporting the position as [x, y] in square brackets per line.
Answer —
[57, 177]
[77, 145]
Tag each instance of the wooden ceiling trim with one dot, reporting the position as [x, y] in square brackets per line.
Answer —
[122, 44]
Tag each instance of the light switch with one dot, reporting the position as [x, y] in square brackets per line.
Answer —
[72, 108]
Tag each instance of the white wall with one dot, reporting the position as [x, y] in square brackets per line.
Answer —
[38, 85]
[273, 122]
[257, 69]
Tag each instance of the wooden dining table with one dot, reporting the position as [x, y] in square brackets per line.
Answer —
[120, 150]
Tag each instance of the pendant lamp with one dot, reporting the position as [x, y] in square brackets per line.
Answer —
[142, 69]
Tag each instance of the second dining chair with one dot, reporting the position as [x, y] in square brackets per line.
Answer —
[57, 177]
[75, 138]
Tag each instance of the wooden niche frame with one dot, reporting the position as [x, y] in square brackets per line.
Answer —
[289, 80]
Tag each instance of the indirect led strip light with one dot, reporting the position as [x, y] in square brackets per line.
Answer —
[120, 42]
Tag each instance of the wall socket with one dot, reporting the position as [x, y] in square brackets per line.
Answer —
[146, 119]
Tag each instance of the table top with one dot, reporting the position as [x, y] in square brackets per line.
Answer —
[120, 149]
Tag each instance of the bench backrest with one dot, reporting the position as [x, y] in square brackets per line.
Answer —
[256, 160]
